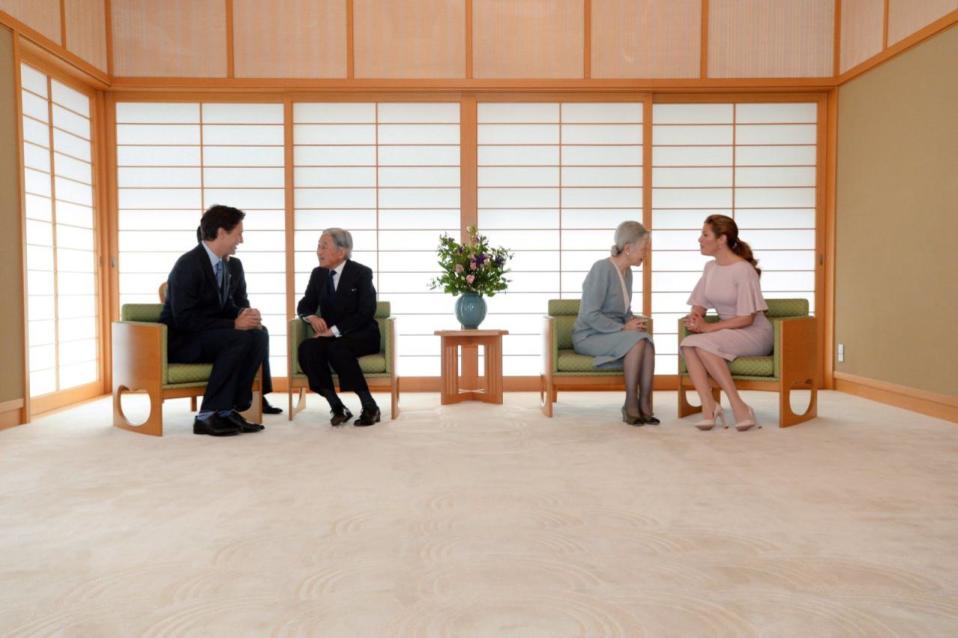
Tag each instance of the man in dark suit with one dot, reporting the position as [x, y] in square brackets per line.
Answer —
[240, 298]
[206, 325]
[340, 306]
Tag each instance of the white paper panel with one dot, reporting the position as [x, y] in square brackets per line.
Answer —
[62, 303]
[773, 161]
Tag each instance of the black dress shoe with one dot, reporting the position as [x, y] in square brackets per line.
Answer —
[242, 424]
[340, 416]
[215, 426]
[270, 409]
[630, 419]
[650, 420]
[367, 417]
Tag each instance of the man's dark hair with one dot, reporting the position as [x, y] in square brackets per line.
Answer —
[219, 216]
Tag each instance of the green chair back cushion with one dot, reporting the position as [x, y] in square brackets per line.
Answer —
[786, 308]
[141, 312]
[565, 312]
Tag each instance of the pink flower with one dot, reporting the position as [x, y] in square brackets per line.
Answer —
[459, 269]
[470, 279]
[472, 265]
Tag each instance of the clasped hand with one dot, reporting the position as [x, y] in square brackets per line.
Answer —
[696, 323]
[635, 323]
[248, 319]
[319, 326]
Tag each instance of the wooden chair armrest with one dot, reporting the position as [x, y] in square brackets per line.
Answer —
[549, 345]
[796, 347]
[390, 352]
[139, 354]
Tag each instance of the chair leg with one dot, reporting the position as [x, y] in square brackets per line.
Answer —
[684, 407]
[787, 417]
[394, 395]
[300, 403]
[547, 393]
[289, 394]
[255, 412]
[193, 403]
[154, 422]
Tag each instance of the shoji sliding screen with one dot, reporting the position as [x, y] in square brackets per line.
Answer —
[61, 247]
[388, 173]
[753, 162]
[176, 159]
[555, 179]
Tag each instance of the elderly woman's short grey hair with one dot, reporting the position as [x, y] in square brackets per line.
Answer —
[627, 233]
[341, 238]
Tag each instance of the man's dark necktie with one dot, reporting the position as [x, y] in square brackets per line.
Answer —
[221, 280]
[330, 292]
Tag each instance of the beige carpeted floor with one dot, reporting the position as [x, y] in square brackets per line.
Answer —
[477, 520]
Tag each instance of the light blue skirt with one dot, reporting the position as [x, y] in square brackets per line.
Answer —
[608, 348]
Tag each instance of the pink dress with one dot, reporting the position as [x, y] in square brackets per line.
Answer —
[733, 291]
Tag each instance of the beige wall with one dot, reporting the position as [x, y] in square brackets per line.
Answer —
[11, 263]
[896, 288]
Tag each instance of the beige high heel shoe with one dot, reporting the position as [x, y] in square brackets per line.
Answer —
[749, 423]
[708, 424]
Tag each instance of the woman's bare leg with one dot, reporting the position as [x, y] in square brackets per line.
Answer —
[717, 368]
[700, 379]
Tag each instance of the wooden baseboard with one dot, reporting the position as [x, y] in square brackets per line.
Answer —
[65, 398]
[11, 413]
[941, 406]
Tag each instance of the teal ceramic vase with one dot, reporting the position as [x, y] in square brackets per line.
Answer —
[470, 310]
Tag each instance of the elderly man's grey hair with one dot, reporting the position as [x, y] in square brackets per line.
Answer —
[341, 238]
[627, 233]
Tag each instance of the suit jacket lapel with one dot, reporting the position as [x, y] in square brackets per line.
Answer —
[225, 294]
[345, 280]
[207, 268]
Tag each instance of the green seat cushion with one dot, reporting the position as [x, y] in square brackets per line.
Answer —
[753, 366]
[570, 362]
[372, 363]
[188, 373]
[369, 364]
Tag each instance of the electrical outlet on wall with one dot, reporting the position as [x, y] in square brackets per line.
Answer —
[841, 353]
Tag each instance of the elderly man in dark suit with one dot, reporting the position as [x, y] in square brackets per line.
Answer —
[340, 305]
[206, 325]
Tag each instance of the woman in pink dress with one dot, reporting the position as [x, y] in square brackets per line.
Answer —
[730, 285]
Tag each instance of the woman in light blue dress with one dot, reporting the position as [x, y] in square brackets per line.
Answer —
[606, 328]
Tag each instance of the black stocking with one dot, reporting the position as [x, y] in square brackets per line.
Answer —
[646, 377]
[632, 366]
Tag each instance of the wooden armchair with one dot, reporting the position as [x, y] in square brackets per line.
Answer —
[379, 369]
[792, 365]
[140, 365]
[563, 368]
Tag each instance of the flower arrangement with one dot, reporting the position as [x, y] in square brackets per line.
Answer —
[471, 267]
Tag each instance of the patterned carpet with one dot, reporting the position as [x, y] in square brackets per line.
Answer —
[478, 520]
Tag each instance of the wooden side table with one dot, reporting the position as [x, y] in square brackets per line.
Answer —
[456, 388]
